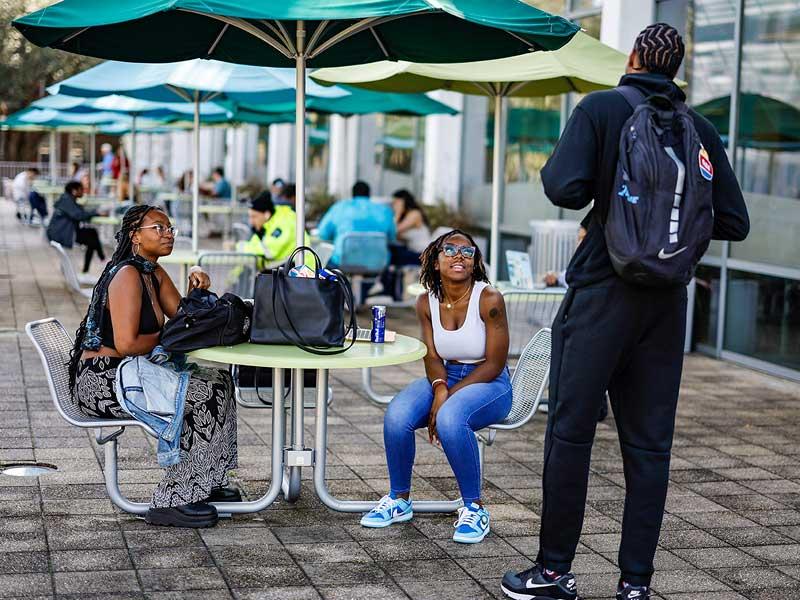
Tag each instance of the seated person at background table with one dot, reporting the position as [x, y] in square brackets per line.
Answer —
[553, 279]
[273, 230]
[130, 302]
[276, 187]
[467, 387]
[288, 196]
[218, 187]
[413, 236]
[359, 214]
[67, 225]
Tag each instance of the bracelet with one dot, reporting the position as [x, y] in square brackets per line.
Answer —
[438, 381]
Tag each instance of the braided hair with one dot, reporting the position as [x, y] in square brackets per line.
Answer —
[660, 49]
[89, 333]
[429, 275]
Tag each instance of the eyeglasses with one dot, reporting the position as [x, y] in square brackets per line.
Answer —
[161, 230]
[451, 250]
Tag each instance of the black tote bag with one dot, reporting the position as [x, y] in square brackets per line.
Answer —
[303, 311]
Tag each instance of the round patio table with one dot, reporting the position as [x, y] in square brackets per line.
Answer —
[296, 455]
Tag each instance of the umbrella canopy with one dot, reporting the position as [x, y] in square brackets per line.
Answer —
[297, 33]
[266, 33]
[762, 119]
[583, 65]
[358, 102]
[46, 118]
[209, 111]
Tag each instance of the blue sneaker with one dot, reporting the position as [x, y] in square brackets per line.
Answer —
[472, 525]
[389, 510]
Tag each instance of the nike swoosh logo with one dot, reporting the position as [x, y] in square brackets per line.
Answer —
[665, 255]
[530, 585]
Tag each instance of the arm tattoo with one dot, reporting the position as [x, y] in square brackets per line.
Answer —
[495, 315]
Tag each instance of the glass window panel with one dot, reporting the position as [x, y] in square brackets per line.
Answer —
[586, 4]
[401, 138]
[763, 318]
[768, 161]
[706, 298]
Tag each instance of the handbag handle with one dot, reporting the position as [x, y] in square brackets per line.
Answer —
[298, 340]
[289, 265]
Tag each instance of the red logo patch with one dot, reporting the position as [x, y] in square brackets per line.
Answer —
[706, 168]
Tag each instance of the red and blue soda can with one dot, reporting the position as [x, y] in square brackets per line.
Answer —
[378, 325]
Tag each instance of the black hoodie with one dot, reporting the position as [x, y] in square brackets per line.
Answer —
[584, 162]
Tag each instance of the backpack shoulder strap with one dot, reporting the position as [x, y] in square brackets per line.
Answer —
[632, 95]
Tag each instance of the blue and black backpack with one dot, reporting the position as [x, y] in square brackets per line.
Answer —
[660, 216]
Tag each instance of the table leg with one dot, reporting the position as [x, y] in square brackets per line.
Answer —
[294, 472]
[366, 383]
[277, 457]
[320, 456]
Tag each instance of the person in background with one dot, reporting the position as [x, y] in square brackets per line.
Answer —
[273, 231]
[613, 335]
[288, 196]
[119, 163]
[66, 227]
[22, 188]
[413, 236]
[467, 386]
[553, 279]
[276, 187]
[219, 186]
[123, 187]
[106, 169]
[358, 213]
[184, 183]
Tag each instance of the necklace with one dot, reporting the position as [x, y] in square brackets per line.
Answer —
[450, 303]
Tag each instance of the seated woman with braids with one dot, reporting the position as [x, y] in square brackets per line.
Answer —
[467, 388]
[130, 302]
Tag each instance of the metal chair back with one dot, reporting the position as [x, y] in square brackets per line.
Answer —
[529, 311]
[364, 252]
[233, 272]
[528, 381]
[241, 232]
[54, 344]
[68, 269]
[324, 250]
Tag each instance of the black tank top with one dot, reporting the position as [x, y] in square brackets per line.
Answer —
[148, 322]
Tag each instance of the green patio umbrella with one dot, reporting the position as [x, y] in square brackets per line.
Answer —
[583, 65]
[762, 119]
[296, 33]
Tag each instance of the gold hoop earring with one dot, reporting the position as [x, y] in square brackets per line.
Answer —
[136, 249]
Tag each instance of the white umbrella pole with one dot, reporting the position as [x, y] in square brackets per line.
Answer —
[53, 165]
[92, 159]
[196, 173]
[498, 185]
[132, 163]
[300, 135]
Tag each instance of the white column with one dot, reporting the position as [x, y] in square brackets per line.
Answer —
[443, 133]
[622, 20]
[338, 158]
[280, 152]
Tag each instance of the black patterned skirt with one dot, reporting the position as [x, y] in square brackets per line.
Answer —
[208, 437]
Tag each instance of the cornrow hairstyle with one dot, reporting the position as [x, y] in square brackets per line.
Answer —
[89, 332]
[660, 49]
[429, 275]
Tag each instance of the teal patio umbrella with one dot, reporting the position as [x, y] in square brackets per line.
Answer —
[762, 119]
[195, 83]
[134, 108]
[297, 33]
[582, 65]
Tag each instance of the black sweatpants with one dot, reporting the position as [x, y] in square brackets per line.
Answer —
[87, 236]
[627, 340]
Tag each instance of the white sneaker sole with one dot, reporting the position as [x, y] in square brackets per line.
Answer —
[401, 519]
[519, 596]
[470, 540]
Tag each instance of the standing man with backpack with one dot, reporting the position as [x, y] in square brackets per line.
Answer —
[662, 189]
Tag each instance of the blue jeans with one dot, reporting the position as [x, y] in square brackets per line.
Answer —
[471, 408]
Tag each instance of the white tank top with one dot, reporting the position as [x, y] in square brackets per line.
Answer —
[467, 344]
[417, 239]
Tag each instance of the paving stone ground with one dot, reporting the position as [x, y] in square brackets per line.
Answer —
[732, 528]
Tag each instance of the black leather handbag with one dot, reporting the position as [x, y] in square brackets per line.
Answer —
[204, 320]
[307, 312]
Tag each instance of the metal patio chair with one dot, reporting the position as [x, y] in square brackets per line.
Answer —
[54, 344]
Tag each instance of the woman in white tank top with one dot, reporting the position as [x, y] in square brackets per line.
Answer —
[467, 387]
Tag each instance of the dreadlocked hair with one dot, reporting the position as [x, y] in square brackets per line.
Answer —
[131, 221]
[429, 275]
[660, 49]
